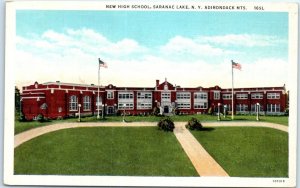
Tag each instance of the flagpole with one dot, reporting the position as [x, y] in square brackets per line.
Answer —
[98, 112]
[232, 107]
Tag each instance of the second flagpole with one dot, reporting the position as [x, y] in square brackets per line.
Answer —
[232, 94]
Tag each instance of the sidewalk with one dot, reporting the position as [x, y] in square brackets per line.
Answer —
[204, 164]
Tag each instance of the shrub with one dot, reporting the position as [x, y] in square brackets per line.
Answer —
[166, 124]
[22, 118]
[40, 118]
[194, 124]
[155, 111]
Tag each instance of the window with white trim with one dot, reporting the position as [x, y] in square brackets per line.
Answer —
[254, 106]
[201, 95]
[273, 96]
[123, 105]
[183, 95]
[110, 95]
[143, 105]
[242, 96]
[227, 96]
[125, 96]
[165, 95]
[144, 95]
[73, 103]
[257, 95]
[241, 107]
[216, 95]
[86, 103]
[183, 105]
[273, 107]
[200, 105]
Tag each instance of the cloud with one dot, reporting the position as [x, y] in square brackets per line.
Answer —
[248, 40]
[71, 56]
[188, 46]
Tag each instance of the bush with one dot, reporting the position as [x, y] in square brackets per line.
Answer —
[155, 111]
[40, 118]
[166, 124]
[22, 118]
[194, 124]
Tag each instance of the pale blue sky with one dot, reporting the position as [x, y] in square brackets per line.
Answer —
[187, 40]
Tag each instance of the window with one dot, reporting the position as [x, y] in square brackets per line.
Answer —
[256, 96]
[86, 103]
[181, 95]
[98, 102]
[125, 95]
[165, 95]
[273, 96]
[141, 105]
[254, 106]
[183, 105]
[73, 103]
[122, 105]
[144, 95]
[227, 96]
[242, 96]
[273, 107]
[110, 94]
[201, 105]
[216, 95]
[200, 95]
[241, 107]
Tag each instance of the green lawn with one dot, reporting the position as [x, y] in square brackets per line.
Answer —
[247, 151]
[23, 126]
[135, 151]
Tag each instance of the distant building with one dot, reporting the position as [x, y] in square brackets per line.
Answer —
[59, 100]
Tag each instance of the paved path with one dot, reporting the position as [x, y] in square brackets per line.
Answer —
[32, 133]
[246, 124]
[204, 164]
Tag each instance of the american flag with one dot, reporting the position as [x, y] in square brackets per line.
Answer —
[102, 64]
[236, 65]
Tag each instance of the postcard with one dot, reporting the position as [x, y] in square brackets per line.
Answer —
[139, 93]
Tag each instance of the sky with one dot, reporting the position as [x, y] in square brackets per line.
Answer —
[190, 49]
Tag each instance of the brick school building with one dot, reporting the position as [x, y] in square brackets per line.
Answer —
[60, 100]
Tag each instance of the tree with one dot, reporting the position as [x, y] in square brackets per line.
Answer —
[17, 99]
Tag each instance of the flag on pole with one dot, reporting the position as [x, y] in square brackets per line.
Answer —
[102, 64]
[236, 65]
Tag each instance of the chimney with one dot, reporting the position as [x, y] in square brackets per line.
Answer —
[157, 83]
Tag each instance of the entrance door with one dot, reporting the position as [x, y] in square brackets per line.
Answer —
[166, 109]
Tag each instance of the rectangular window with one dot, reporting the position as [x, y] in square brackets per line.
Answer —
[144, 95]
[73, 103]
[165, 95]
[242, 96]
[254, 106]
[125, 95]
[110, 94]
[202, 105]
[86, 103]
[183, 95]
[257, 96]
[227, 96]
[216, 95]
[183, 105]
[273, 107]
[141, 105]
[200, 95]
[122, 105]
[273, 96]
[241, 107]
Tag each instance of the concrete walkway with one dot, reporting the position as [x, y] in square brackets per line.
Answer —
[32, 133]
[204, 164]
